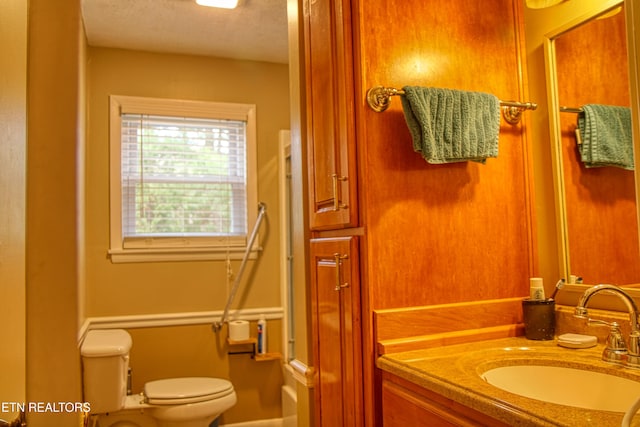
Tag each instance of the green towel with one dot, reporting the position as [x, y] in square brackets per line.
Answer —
[451, 125]
[605, 131]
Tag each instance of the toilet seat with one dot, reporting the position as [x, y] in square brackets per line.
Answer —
[178, 391]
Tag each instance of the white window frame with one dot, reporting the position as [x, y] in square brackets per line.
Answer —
[178, 248]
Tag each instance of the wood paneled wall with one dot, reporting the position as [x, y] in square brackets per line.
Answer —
[601, 202]
[441, 233]
[440, 325]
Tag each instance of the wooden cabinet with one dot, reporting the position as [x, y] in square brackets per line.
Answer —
[332, 178]
[330, 116]
[336, 331]
[428, 234]
[406, 404]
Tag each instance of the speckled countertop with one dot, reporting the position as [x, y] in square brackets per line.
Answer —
[455, 372]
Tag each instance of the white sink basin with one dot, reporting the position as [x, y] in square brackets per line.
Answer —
[566, 386]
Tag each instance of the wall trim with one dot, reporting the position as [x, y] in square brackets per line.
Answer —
[175, 319]
[410, 328]
[274, 422]
[302, 373]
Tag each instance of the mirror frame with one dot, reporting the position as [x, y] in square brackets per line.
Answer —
[632, 16]
[555, 128]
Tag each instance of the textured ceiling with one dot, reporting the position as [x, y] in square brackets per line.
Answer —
[255, 30]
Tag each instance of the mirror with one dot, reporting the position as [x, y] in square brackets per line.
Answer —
[586, 63]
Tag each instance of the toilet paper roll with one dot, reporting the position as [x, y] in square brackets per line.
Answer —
[239, 330]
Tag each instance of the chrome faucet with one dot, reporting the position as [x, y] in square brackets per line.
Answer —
[616, 350]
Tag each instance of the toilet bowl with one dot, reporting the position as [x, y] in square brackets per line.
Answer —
[188, 402]
[173, 402]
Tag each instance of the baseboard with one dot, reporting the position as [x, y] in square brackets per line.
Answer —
[274, 422]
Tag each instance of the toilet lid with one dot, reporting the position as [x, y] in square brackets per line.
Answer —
[186, 390]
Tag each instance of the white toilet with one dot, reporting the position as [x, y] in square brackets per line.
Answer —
[175, 402]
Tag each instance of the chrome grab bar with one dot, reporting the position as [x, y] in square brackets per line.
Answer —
[218, 325]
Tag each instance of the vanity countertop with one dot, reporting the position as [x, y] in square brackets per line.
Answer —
[454, 372]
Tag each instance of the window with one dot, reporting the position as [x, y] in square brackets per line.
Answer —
[183, 179]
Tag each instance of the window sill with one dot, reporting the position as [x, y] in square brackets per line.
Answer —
[120, 256]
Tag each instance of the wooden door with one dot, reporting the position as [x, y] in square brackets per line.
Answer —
[330, 114]
[337, 336]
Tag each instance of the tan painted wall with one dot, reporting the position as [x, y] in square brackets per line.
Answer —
[538, 23]
[13, 105]
[153, 288]
[125, 289]
[54, 207]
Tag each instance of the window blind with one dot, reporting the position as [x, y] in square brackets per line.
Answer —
[183, 176]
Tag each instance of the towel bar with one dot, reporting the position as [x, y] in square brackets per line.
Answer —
[571, 110]
[378, 98]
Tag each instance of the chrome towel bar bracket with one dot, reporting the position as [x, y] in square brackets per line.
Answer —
[379, 98]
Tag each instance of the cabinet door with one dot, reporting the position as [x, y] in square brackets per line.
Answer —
[330, 114]
[336, 324]
[408, 404]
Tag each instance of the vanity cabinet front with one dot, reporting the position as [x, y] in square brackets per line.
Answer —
[406, 404]
[336, 322]
[330, 114]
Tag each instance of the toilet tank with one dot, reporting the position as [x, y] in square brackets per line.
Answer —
[105, 364]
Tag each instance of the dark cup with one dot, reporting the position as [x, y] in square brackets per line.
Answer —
[539, 319]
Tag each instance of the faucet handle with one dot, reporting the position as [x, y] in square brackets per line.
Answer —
[616, 349]
[633, 359]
